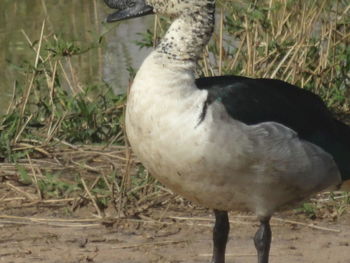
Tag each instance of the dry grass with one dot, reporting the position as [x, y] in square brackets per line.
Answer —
[44, 166]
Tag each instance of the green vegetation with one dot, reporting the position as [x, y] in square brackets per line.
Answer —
[43, 109]
[67, 141]
[329, 205]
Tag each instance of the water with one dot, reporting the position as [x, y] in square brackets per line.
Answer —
[74, 20]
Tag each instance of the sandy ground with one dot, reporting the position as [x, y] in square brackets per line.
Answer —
[49, 235]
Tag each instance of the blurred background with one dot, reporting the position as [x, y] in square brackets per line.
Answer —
[75, 21]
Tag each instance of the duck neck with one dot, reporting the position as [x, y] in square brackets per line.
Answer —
[189, 33]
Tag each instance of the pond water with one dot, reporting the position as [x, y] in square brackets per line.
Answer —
[74, 20]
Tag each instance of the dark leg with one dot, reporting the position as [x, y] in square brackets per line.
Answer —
[262, 240]
[220, 234]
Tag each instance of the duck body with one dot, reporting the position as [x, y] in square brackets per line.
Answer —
[228, 142]
[198, 150]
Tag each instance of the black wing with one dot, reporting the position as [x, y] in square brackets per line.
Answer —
[253, 101]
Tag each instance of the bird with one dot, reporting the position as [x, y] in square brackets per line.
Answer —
[226, 142]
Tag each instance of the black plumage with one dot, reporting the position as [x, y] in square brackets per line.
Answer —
[254, 101]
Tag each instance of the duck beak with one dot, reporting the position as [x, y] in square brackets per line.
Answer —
[127, 9]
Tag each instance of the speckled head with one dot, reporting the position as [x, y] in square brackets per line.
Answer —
[175, 8]
[189, 32]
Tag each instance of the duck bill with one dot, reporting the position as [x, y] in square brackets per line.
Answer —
[128, 9]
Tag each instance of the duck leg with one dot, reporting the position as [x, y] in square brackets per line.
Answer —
[220, 235]
[262, 240]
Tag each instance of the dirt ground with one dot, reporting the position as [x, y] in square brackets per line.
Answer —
[163, 235]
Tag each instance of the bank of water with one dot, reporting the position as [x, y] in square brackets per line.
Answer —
[71, 20]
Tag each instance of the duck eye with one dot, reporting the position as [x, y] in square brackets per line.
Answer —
[130, 3]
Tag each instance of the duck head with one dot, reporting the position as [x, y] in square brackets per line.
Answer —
[135, 8]
[128, 9]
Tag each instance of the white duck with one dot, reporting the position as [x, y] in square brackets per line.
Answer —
[227, 143]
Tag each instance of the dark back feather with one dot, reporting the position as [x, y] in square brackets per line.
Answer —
[253, 101]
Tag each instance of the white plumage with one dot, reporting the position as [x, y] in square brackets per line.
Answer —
[227, 143]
